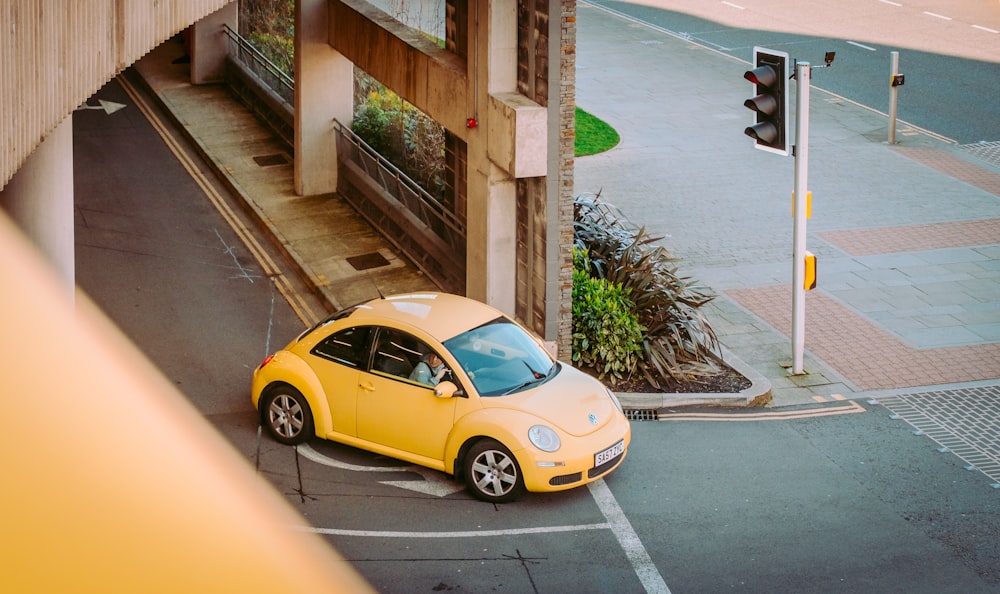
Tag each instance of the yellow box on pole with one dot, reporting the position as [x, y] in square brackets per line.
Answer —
[810, 275]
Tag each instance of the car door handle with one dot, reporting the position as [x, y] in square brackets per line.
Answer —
[367, 386]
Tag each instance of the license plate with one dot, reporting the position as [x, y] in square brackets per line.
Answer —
[609, 454]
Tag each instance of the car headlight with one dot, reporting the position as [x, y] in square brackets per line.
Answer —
[614, 399]
[544, 438]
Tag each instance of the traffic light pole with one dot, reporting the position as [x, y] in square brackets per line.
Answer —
[803, 72]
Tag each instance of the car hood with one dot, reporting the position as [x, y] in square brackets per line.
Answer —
[572, 401]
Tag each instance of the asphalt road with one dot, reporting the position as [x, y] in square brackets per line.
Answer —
[945, 91]
[850, 502]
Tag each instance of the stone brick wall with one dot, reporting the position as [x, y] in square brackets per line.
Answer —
[567, 137]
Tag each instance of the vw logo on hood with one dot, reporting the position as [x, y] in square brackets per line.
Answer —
[593, 418]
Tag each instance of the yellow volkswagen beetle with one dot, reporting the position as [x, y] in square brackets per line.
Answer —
[449, 383]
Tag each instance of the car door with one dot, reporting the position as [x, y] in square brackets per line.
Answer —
[340, 360]
[396, 411]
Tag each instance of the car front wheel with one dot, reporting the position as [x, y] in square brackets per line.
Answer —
[287, 415]
[492, 473]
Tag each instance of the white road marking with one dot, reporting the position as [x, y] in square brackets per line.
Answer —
[987, 29]
[937, 16]
[890, 2]
[643, 565]
[617, 523]
[458, 534]
[228, 249]
[737, 6]
[434, 483]
[856, 44]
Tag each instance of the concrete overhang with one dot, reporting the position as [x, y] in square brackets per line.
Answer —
[518, 141]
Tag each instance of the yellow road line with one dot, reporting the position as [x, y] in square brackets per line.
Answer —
[850, 408]
[267, 264]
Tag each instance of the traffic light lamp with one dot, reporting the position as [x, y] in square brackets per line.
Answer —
[770, 104]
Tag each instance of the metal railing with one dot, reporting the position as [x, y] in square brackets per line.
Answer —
[250, 57]
[417, 222]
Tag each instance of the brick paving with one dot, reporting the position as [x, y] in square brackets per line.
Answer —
[963, 421]
[909, 238]
[861, 351]
[970, 173]
[858, 347]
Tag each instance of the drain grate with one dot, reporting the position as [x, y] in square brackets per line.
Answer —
[368, 261]
[985, 151]
[270, 160]
[642, 414]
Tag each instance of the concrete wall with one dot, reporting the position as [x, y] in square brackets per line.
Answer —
[54, 54]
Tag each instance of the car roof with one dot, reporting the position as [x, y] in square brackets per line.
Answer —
[442, 315]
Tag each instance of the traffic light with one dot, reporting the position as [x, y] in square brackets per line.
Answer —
[770, 105]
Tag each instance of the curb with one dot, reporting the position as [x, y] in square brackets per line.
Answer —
[757, 395]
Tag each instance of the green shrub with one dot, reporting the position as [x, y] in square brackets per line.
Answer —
[279, 49]
[401, 133]
[607, 336]
[679, 343]
[372, 123]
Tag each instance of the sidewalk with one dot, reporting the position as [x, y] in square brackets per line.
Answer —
[907, 236]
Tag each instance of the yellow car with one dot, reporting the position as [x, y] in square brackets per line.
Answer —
[449, 383]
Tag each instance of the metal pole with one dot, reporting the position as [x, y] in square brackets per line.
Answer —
[802, 75]
[893, 92]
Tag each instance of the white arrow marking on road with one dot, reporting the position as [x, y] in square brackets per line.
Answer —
[433, 484]
[109, 107]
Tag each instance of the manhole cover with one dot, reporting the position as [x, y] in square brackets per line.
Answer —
[368, 261]
[269, 160]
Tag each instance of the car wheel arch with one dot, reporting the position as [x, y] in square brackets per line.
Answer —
[285, 413]
[487, 456]
[318, 407]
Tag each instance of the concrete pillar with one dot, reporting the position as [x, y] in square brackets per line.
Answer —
[324, 91]
[39, 199]
[492, 209]
[210, 44]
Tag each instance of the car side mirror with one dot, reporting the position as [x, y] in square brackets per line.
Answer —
[445, 389]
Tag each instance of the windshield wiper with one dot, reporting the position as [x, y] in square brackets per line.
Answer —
[535, 378]
[537, 375]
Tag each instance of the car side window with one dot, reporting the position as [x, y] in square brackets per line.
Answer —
[396, 353]
[349, 347]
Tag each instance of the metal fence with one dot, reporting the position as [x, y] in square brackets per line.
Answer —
[243, 52]
[415, 221]
[262, 86]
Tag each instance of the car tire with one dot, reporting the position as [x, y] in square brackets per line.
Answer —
[286, 415]
[492, 473]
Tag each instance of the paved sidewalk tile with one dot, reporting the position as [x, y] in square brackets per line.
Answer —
[909, 238]
[868, 356]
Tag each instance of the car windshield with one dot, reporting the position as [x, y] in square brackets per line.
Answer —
[501, 358]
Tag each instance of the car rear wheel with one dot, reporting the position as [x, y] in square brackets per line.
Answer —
[287, 415]
[492, 473]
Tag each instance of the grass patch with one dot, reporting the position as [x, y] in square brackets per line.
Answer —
[593, 135]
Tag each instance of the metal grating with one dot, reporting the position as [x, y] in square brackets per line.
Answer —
[270, 160]
[642, 414]
[984, 151]
[368, 261]
[965, 422]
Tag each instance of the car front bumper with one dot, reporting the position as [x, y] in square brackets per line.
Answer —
[556, 471]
